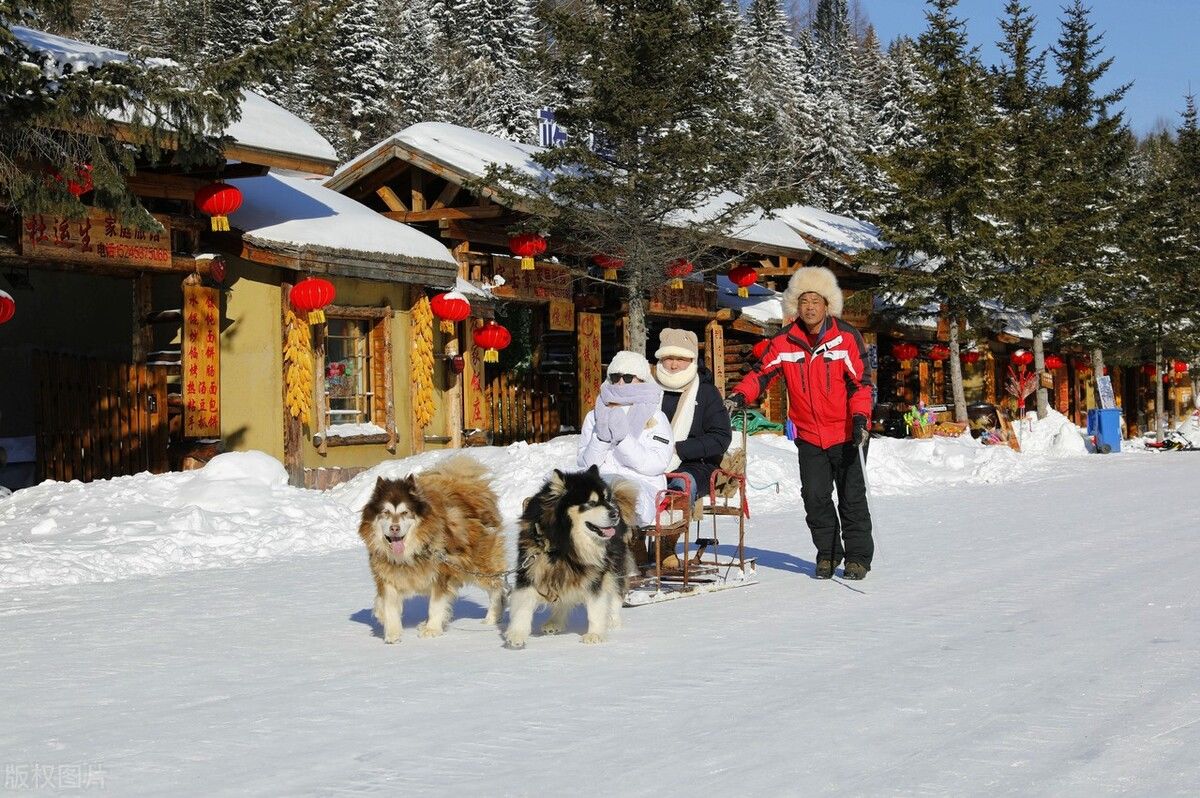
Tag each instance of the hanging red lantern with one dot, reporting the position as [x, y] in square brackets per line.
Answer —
[1149, 369]
[1021, 357]
[939, 352]
[8, 306]
[609, 264]
[1179, 367]
[904, 351]
[82, 183]
[760, 348]
[310, 296]
[1054, 362]
[743, 277]
[527, 246]
[492, 337]
[218, 200]
[677, 270]
[970, 357]
[451, 308]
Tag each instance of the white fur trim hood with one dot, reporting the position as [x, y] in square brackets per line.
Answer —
[812, 278]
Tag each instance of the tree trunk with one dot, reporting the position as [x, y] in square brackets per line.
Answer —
[637, 313]
[1039, 365]
[956, 380]
[1097, 371]
[1160, 426]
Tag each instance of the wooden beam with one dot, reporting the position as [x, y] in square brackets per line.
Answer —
[391, 200]
[418, 191]
[438, 214]
[447, 196]
[385, 175]
[176, 187]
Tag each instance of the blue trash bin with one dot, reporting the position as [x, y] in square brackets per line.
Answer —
[1105, 425]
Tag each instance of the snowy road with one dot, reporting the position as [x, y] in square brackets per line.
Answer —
[1032, 638]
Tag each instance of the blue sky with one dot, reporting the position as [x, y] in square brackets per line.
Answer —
[1156, 44]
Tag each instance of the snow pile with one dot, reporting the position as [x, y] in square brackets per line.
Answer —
[1052, 436]
[1190, 429]
[239, 507]
[236, 509]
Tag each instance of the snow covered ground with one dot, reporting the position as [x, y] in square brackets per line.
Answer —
[1031, 627]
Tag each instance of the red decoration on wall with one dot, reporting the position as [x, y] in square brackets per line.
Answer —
[609, 264]
[1180, 367]
[8, 306]
[904, 351]
[218, 200]
[527, 246]
[1054, 362]
[451, 308]
[970, 357]
[492, 337]
[310, 296]
[743, 277]
[677, 270]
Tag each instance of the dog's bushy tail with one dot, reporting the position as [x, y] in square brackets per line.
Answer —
[462, 466]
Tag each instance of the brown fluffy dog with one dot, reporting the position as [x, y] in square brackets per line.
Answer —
[430, 534]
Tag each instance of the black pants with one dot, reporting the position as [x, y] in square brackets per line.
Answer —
[820, 470]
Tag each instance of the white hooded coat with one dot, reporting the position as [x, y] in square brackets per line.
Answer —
[641, 457]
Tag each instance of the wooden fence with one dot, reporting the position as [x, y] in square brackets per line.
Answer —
[96, 419]
[527, 407]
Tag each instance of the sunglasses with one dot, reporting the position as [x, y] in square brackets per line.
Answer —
[626, 378]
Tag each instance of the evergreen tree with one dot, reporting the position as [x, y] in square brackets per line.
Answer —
[357, 109]
[942, 239]
[1033, 279]
[422, 84]
[649, 87]
[897, 123]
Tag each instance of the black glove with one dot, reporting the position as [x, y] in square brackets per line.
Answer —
[734, 402]
[861, 433]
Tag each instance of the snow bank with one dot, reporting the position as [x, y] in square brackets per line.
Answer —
[1052, 436]
[240, 508]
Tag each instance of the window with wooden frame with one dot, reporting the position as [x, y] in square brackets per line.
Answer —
[355, 402]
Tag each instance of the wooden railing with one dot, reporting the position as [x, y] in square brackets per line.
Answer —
[97, 419]
[528, 407]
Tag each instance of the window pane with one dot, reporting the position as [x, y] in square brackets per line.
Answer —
[347, 371]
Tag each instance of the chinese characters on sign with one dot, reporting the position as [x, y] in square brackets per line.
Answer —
[95, 238]
[475, 411]
[692, 299]
[544, 281]
[562, 315]
[201, 360]
[588, 343]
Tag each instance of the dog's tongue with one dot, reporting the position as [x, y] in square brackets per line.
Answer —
[398, 547]
[608, 531]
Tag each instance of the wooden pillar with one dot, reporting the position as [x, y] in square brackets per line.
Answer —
[715, 336]
[292, 431]
[587, 354]
[143, 333]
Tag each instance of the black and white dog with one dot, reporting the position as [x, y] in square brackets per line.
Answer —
[573, 549]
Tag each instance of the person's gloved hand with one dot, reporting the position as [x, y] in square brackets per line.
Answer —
[861, 433]
[601, 415]
[618, 424]
[734, 402]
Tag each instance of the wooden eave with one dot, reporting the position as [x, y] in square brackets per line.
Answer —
[342, 263]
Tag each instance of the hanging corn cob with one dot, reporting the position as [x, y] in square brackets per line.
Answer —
[298, 369]
[422, 362]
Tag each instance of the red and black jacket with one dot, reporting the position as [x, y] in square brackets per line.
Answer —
[828, 382]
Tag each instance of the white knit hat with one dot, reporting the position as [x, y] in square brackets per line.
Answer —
[677, 343]
[817, 279]
[627, 362]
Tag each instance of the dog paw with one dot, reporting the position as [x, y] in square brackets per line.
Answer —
[592, 638]
[549, 628]
[515, 640]
[391, 638]
[425, 630]
[491, 620]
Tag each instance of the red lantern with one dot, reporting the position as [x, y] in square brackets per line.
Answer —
[1180, 367]
[1054, 362]
[527, 246]
[8, 307]
[218, 200]
[457, 364]
[83, 181]
[1021, 357]
[609, 264]
[451, 307]
[677, 270]
[743, 277]
[939, 352]
[970, 357]
[1149, 369]
[310, 296]
[492, 337]
[904, 351]
[760, 348]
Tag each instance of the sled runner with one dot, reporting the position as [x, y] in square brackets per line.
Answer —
[701, 569]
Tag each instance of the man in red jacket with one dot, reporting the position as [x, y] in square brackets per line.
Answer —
[824, 366]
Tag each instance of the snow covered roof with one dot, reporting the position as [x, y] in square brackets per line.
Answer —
[265, 134]
[463, 154]
[764, 307]
[298, 217]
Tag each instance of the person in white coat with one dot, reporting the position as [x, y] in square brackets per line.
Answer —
[626, 435]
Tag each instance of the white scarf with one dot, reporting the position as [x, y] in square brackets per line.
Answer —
[687, 384]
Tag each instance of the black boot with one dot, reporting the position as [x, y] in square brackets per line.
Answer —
[855, 571]
[824, 568]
